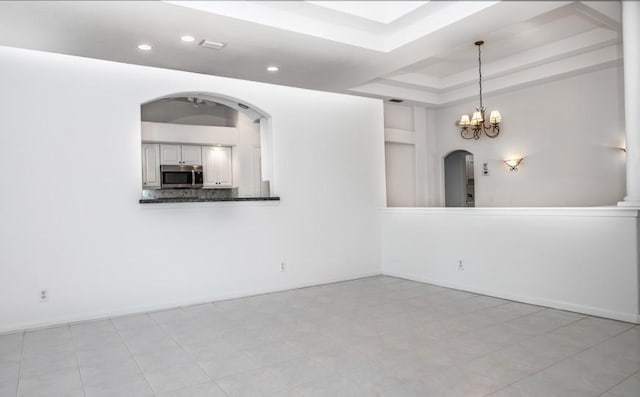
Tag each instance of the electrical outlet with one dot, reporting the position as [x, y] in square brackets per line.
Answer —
[460, 265]
[44, 295]
[283, 267]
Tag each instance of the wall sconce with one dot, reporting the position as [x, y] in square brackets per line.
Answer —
[513, 164]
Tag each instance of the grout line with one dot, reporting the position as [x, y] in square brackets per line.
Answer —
[548, 366]
[623, 380]
[75, 354]
[24, 337]
[186, 353]
[474, 295]
[132, 356]
[568, 357]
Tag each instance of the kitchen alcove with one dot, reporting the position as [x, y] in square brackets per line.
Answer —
[205, 147]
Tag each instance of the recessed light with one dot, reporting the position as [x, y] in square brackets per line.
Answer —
[187, 38]
[272, 68]
[144, 47]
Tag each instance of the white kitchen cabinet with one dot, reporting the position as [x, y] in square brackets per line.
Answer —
[150, 166]
[180, 155]
[170, 154]
[191, 155]
[217, 168]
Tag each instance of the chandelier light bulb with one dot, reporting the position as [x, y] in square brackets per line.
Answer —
[476, 119]
[495, 117]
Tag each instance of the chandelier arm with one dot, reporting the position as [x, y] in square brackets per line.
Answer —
[495, 131]
[464, 133]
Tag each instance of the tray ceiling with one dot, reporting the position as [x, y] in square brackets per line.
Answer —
[419, 51]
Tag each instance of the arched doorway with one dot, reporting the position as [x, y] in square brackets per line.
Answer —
[459, 181]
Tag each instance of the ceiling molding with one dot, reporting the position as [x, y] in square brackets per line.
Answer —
[560, 68]
[581, 43]
[608, 12]
[571, 66]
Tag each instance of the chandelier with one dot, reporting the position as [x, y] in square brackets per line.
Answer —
[477, 125]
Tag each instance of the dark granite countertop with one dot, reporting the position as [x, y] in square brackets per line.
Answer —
[203, 199]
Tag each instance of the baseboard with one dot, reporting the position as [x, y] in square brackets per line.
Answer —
[87, 317]
[96, 316]
[555, 304]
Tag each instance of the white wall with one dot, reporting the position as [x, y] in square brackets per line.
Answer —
[74, 224]
[401, 174]
[567, 130]
[579, 259]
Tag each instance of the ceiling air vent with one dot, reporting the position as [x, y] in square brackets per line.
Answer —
[214, 45]
[396, 100]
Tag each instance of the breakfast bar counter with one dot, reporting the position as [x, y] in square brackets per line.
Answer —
[203, 199]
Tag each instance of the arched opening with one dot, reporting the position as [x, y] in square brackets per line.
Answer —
[459, 181]
[205, 146]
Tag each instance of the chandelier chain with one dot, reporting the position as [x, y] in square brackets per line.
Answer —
[480, 74]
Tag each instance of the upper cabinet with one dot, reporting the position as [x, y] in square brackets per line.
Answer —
[170, 154]
[150, 166]
[180, 155]
[191, 155]
[217, 166]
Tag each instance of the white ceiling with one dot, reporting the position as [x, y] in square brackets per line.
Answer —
[419, 51]
[379, 11]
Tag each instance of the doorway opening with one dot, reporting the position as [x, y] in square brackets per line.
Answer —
[459, 181]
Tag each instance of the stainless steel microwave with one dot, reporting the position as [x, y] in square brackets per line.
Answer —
[181, 176]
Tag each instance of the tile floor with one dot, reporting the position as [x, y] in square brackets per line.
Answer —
[378, 336]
